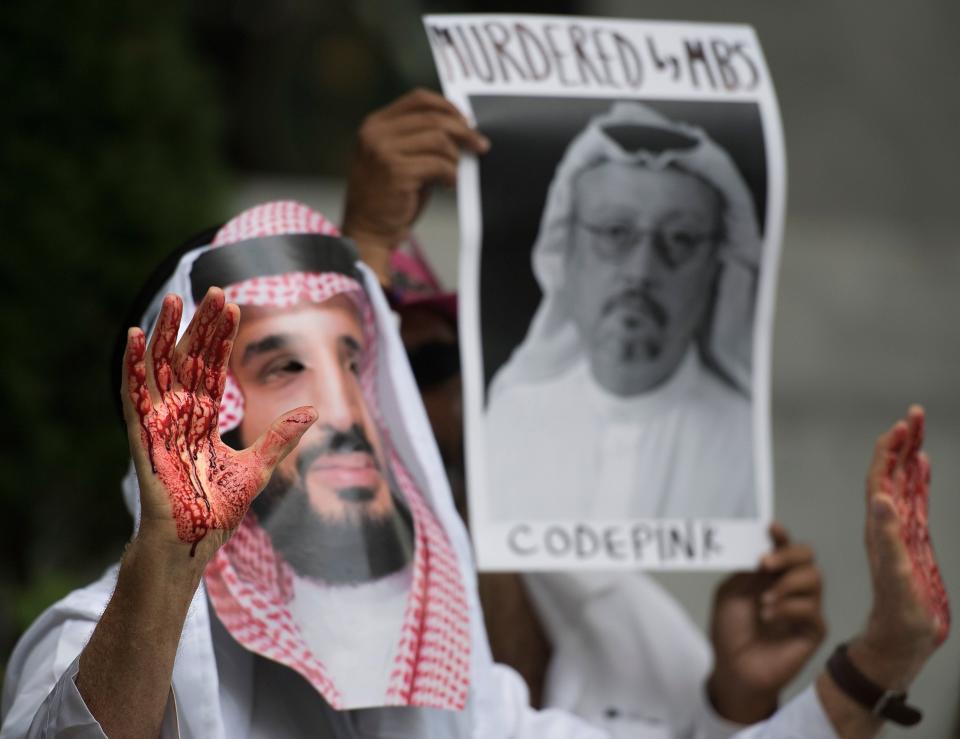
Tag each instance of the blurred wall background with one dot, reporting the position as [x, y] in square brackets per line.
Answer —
[126, 129]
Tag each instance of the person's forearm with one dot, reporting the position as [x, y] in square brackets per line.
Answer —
[850, 719]
[125, 669]
[374, 251]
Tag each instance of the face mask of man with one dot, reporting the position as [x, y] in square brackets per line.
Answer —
[339, 550]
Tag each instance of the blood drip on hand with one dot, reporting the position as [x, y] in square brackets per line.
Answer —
[210, 485]
[909, 486]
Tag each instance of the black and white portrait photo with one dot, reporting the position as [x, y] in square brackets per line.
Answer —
[619, 246]
[629, 394]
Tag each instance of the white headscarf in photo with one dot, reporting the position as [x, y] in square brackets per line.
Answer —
[248, 582]
[552, 344]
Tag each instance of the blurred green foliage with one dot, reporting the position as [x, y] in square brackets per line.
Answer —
[295, 78]
[109, 158]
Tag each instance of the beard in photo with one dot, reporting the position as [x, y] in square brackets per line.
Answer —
[633, 323]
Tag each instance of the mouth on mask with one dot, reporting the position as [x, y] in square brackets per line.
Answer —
[343, 460]
[363, 546]
[356, 495]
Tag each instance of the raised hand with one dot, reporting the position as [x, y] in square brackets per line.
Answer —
[402, 150]
[765, 625]
[910, 617]
[191, 483]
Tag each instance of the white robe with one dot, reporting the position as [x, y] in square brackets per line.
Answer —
[220, 691]
[566, 449]
[626, 656]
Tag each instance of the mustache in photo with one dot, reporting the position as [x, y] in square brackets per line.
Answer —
[336, 441]
[638, 294]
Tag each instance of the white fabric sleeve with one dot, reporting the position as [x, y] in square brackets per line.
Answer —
[503, 710]
[47, 703]
[63, 712]
[801, 718]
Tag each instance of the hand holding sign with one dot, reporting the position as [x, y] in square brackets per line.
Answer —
[765, 626]
[192, 483]
[401, 151]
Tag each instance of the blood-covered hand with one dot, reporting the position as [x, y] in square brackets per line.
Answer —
[191, 483]
[910, 616]
[401, 151]
[765, 625]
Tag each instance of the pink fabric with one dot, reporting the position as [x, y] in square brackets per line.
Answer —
[413, 269]
[249, 584]
[414, 283]
[274, 219]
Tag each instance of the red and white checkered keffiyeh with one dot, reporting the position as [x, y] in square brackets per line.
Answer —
[249, 584]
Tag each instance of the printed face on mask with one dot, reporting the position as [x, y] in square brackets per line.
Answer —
[329, 506]
[640, 270]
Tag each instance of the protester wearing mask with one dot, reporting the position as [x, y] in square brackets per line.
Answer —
[191, 638]
[340, 585]
[193, 634]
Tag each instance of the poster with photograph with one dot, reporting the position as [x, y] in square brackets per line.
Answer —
[619, 251]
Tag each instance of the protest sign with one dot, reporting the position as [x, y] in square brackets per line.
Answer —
[618, 259]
